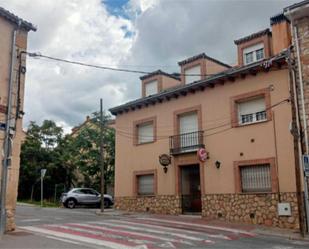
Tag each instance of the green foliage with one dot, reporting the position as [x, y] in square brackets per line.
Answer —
[71, 161]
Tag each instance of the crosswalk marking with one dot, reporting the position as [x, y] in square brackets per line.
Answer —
[139, 233]
[151, 236]
[149, 230]
[232, 230]
[168, 229]
[82, 238]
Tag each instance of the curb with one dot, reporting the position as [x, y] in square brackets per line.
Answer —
[25, 204]
[283, 234]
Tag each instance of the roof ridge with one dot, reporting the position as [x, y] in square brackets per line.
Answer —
[202, 56]
[253, 35]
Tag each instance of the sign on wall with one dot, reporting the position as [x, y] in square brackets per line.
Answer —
[306, 164]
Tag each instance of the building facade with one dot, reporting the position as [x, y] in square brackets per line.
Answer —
[12, 67]
[226, 130]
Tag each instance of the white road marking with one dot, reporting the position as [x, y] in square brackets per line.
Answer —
[100, 233]
[232, 230]
[136, 233]
[149, 230]
[109, 244]
[219, 236]
[30, 220]
[64, 240]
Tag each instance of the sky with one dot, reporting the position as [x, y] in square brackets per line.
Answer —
[143, 35]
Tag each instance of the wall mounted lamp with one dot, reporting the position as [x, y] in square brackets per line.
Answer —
[218, 164]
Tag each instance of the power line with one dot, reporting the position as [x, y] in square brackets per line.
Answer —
[162, 137]
[39, 55]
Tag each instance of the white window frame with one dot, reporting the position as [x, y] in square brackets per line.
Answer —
[142, 138]
[138, 183]
[253, 49]
[193, 70]
[151, 88]
[257, 116]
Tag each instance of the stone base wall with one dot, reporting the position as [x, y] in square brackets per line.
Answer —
[258, 209]
[251, 208]
[10, 220]
[160, 204]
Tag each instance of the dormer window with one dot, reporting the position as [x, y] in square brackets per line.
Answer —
[253, 53]
[151, 88]
[192, 74]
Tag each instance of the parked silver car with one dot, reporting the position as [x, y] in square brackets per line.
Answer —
[84, 196]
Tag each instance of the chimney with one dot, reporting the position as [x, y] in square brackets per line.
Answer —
[281, 35]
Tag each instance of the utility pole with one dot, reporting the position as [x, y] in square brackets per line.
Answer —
[296, 132]
[102, 155]
[7, 139]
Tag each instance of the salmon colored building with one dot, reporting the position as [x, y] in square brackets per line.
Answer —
[225, 133]
[13, 40]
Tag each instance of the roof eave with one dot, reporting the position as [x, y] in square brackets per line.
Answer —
[209, 82]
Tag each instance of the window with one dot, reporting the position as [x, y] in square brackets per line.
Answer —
[151, 88]
[249, 57]
[252, 111]
[145, 184]
[188, 131]
[145, 133]
[253, 53]
[192, 74]
[256, 178]
[259, 54]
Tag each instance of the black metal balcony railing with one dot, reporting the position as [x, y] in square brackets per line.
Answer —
[186, 142]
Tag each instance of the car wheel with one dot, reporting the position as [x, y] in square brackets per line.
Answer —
[71, 203]
[107, 203]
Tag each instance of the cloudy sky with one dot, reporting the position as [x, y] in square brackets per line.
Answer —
[134, 34]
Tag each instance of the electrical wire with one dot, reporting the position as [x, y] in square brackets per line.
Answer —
[39, 55]
[162, 137]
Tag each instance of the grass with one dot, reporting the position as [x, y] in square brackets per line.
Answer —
[46, 203]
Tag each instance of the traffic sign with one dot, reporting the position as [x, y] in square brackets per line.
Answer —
[43, 172]
[306, 164]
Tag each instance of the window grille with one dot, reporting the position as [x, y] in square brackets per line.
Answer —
[145, 184]
[256, 178]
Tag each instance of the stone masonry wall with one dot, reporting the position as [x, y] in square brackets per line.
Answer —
[251, 208]
[161, 204]
[243, 208]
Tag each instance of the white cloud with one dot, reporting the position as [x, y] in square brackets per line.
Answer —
[165, 31]
[80, 30]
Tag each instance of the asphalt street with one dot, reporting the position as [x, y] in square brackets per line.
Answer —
[82, 228]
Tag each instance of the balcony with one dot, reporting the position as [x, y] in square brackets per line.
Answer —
[186, 142]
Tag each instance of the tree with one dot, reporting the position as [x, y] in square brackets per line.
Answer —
[38, 152]
[87, 159]
[69, 160]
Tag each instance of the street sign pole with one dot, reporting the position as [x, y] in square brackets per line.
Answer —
[102, 155]
[43, 171]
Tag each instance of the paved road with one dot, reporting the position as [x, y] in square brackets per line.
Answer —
[82, 228]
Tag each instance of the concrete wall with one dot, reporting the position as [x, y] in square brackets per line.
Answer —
[226, 147]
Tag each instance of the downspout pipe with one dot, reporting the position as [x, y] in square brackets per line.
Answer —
[294, 30]
[301, 87]
[7, 140]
